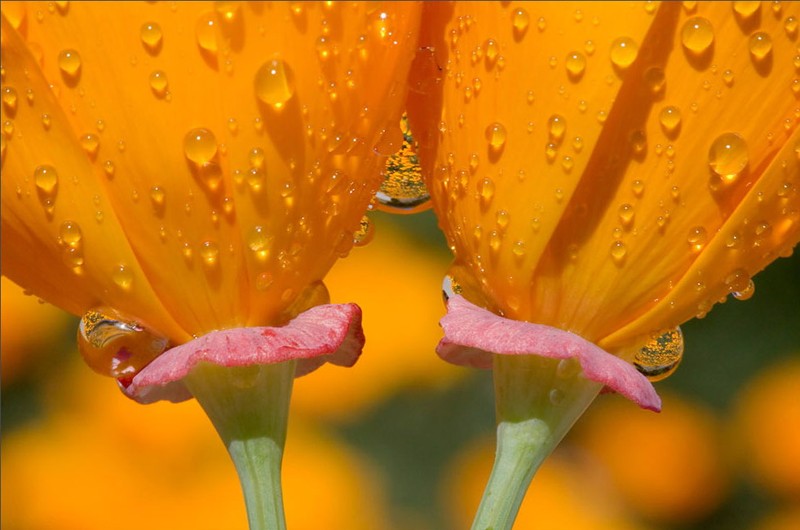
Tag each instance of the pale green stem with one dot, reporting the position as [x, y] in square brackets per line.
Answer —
[249, 409]
[537, 400]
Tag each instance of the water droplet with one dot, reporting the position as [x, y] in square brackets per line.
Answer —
[746, 9]
[492, 51]
[727, 77]
[623, 52]
[116, 346]
[69, 61]
[660, 357]
[496, 136]
[206, 33]
[697, 35]
[670, 119]
[575, 65]
[760, 45]
[209, 252]
[46, 179]
[697, 238]
[728, 156]
[485, 191]
[274, 83]
[259, 242]
[158, 82]
[200, 146]
[151, 36]
[122, 276]
[90, 143]
[109, 168]
[69, 234]
[520, 19]
[46, 121]
[618, 252]
[10, 99]
[790, 26]
[157, 198]
[740, 285]
[227, 10]
[365, 232]
[626, 214]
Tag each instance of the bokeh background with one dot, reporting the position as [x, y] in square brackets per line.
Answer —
[403, 440]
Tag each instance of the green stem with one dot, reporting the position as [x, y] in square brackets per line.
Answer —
[537, 400]
[249, 409]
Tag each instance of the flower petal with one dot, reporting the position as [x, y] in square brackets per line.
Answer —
[473, 335]
[327, 333]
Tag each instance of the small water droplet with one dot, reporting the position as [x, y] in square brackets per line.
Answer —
[670, 119]
[623, 52]
[151, 36]
[520, 19]
[697, 238]
[157, 198]
[46, 179]
[259, 242]
[760, 45]
[496, 136]
[727, 156]
[116, 346]
[660, 357]
[158, 82]
[697, 35]
[638, 187]
[69, 61]
[209, 252]
[200, 146]
[10, 99]
[541, 23]
[727, 77]
[790, 26]
[365, 232]
[90, 143]
[739, 284]
[206, 33]
[274, 83]
[575, 65]
[626, 214]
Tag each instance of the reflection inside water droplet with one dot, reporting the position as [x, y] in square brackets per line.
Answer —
[403, 190]
[116, 346]
[660, 357]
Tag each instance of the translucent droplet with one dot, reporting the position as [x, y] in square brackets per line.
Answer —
[626, 214]
[403, 189]
[520, 19]
[46, 179]
[575, 65]
[200, 146]
[365, 232]
[496, 136]
[697, 238]
[655, 79]
[760, 45]
[728, 156]
[556, 128]
[274, 83]
[618, 252]
[46, 121]
[485, 191]
[69, 234]
[697, 35]
[116, 346]
[157, 198]
[206, 33]
[122, 276]
[69, 61]
[109, 168]
[638, 187]
[151, 35]
[670, 119]
[158, 82]
[740, 285]
[746, 9]
[209, 252]
[790, 26]
[90, 143]
[492, 50]
[660, 357]
[623, 52]
[227, 10]
[10, 99]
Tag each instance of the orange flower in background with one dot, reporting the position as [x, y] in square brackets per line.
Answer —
[192, 166]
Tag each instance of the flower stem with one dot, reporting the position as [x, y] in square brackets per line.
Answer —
[249, 409]
[537, 400]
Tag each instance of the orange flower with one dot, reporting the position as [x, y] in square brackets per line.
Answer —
[193, 167]
[611, 169]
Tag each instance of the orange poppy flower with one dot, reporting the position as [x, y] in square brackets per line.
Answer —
[604, 169]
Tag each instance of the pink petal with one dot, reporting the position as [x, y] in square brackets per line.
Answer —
[473, 335]
[327, 333]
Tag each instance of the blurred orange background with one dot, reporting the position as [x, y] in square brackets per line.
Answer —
[403, 440]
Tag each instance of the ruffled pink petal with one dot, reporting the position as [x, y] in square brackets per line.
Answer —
[327, 333]
[473, 335]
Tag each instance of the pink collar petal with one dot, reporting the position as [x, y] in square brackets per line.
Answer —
[327, 333]
[472, 336]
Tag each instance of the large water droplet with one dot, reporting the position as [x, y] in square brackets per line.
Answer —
[364, 233]
[10, 99]
[496, 136]
[46, 179]
[760, 46]
[520, 20]
[116, 346]
[206, 33]
[259, 242]
[158, 82]
[403, 189]
[623, 52]
[151, 36]
[670, 119]
[69, 234]
[575, 65]
[697, 35]
[660, 357]
[200, 146]
[274, 83]
[728, 156]
[697, 238]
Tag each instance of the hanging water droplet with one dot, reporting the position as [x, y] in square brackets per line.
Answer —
[697, 238]
[116, 346]
[746, 9]
[626, 214]
[365, 232]
[670, 119]
[740, 285]
[206, 33]
[556, 128]
[158, 82]
[151, 36]
[728, 156]
[69, 234]
[496, 136]
[403, 189]
[274, 83]
[46, 179]
[623, 52]
[760, 45]
[200, 146]
[660, 357]
[122, 276]
[697, 35]
[69, 61]
[485, 191]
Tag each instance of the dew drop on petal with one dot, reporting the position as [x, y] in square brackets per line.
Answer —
[760, 45]
[69, 61]
[660, 357]
[158, 82]
[727, 156]
[151, 35]
[116, 346]
[90, 143]
[670, 119]
[206, 33]
[200, 146]
[9, 98]
[556, 128]
[697, 35]
[496, 136]
[520, 19]
[157, 198]
[746, 9]
[626, 214]
[259, 242]
[575, 65]
[122, 276]
[623, 52]
[69, 234]
[274, 83]
[790, 26]
[740, 285]
[364, 233]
